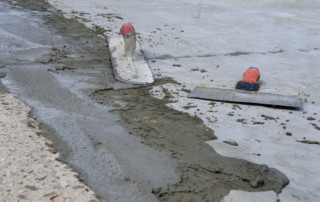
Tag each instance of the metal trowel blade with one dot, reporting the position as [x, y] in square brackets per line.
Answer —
[134, 71]
[240, 96]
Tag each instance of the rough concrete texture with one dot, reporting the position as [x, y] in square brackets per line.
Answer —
[29, 170]
[211, 43]
[147, 143]
[204, 174]
[100, 126]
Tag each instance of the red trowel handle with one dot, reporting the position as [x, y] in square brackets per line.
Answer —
[251, 75]
[127, 28]
[250, 80]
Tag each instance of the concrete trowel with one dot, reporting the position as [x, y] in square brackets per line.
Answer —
[246, 92]
[129, 64]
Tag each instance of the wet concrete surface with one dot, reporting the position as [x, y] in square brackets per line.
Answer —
[125, 144]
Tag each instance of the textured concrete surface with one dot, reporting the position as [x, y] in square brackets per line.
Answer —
[29, 170]
[279, 37]
[212, 43]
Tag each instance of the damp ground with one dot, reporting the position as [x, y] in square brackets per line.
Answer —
[124, 143]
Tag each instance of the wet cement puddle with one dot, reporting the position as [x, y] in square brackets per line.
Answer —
[125, 144]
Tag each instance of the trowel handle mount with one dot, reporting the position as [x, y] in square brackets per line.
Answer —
[127, 29]
[129, 37]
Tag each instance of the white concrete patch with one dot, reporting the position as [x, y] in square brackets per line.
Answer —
[242, 196]
[212, 43]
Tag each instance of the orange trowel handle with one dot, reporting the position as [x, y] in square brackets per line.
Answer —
[126, 29]
[251, 75]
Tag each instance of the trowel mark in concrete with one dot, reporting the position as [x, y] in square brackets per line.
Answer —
[204, 175]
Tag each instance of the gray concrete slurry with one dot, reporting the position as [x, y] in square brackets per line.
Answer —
[124, 143]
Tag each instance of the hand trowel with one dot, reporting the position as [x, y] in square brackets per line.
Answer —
[129, 64]
[246, 91]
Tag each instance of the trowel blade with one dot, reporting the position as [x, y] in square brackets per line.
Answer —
[136, 71]
[240, 96]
